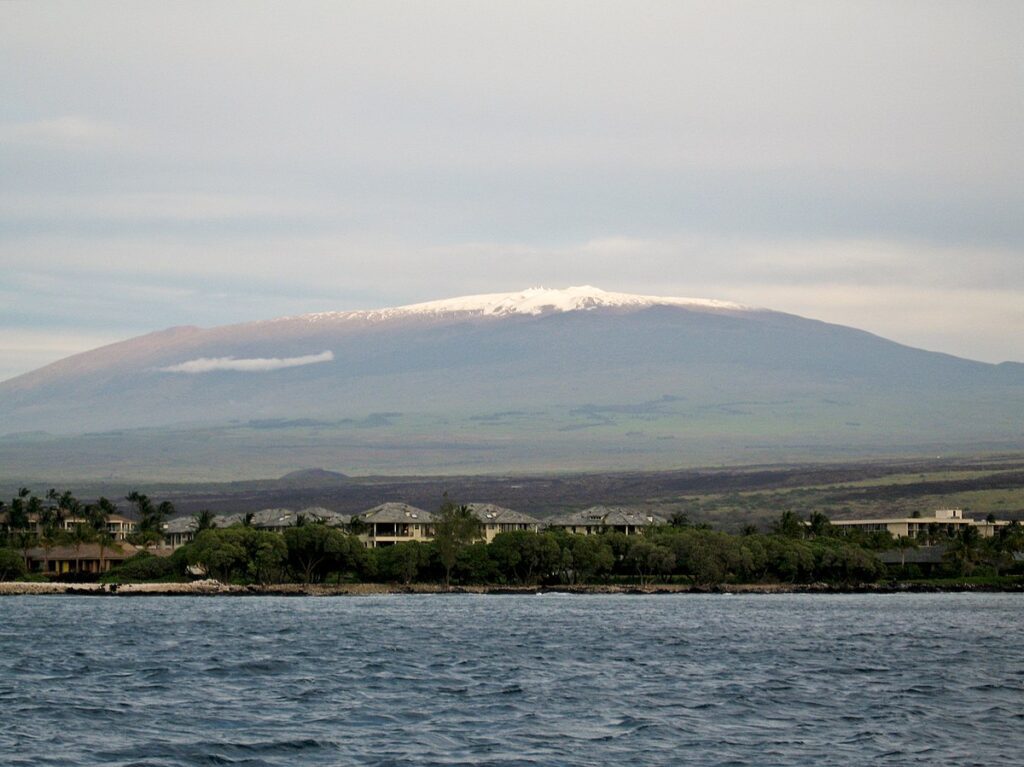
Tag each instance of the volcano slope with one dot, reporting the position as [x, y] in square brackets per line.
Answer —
[537, 381]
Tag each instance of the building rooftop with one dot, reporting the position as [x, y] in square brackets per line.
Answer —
[610, 516]
[92, 551]
[490, 513]
[939, 516]
[180, 525]
[391, 513]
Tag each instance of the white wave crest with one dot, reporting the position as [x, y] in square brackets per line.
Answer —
[253, 365]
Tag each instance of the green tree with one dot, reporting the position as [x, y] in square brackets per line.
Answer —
[12, 566]
[649, 560]
[963, 550]
[80, 534]
[316, 550]
[18, 528]
[236, 553]
[143, 566]
[266, 556]
[819, 525]
[221, 553]
[49, 526]
[679, 519]
[401, 562]
[204, 521]
[455, 527]
[151, 516]
[524, 556]
[591, 556]
[98, 516]
[66, 505]
[789, 525]
[474, 564]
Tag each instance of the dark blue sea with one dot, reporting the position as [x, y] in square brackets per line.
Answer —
[513, 680]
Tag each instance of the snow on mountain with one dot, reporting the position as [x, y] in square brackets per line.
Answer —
[532, 301]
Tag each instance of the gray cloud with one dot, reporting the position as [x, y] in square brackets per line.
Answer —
[243, 365]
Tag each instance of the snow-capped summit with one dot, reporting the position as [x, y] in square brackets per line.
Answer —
[532, 301]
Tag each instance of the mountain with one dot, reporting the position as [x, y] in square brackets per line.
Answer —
[537, 380]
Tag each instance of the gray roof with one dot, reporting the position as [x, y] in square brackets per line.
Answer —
[118, 551]
[489, 513]
[390, 513]
[609, 516]
[180, 525]
[327, 516]
[227, 520]
[277, 519]
[274, 518]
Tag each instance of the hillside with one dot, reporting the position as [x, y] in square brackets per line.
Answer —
[536, 381]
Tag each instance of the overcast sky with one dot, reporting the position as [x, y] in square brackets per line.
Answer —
[204, 163]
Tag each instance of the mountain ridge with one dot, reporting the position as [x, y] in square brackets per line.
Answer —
[523, 382]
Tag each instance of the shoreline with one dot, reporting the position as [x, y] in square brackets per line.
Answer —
[213, 588]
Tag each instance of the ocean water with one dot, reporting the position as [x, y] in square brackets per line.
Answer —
[513, 680]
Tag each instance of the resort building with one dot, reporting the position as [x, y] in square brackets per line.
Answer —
[118, 527]
[182, 530]
[87, 558]
[392, 523]
[498, 519]
[605, 519]
[179, 531]
[942, 521]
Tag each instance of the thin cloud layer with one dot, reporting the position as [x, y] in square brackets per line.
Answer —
[244, 365]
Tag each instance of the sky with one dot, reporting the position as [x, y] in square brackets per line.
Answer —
[203, 163]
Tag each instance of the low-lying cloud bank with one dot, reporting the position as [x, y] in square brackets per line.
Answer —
[253, 365]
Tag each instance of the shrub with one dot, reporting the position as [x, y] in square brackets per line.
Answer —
[144, 566]
[12, 566]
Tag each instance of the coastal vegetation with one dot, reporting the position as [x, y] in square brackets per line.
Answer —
[794, 551]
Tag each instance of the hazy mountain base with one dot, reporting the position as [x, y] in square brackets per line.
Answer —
[662, 434]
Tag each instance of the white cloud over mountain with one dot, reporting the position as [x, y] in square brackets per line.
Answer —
[254, 365]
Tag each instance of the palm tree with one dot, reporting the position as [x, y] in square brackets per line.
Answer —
[204, 521]
[819, 525]
[80, 534]
[98, 515]
[48, 522]
[164, 510]
[66, 506]
[23, 540]
[789, 525]
[34, 508]
[17, 517]
[151, 518]
[963, 550]
[905, 542]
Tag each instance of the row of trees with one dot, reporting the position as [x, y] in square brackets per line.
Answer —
[30, 520]
[791, 553]
[315, 553]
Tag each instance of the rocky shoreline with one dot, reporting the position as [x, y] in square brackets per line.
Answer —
[215, 588]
